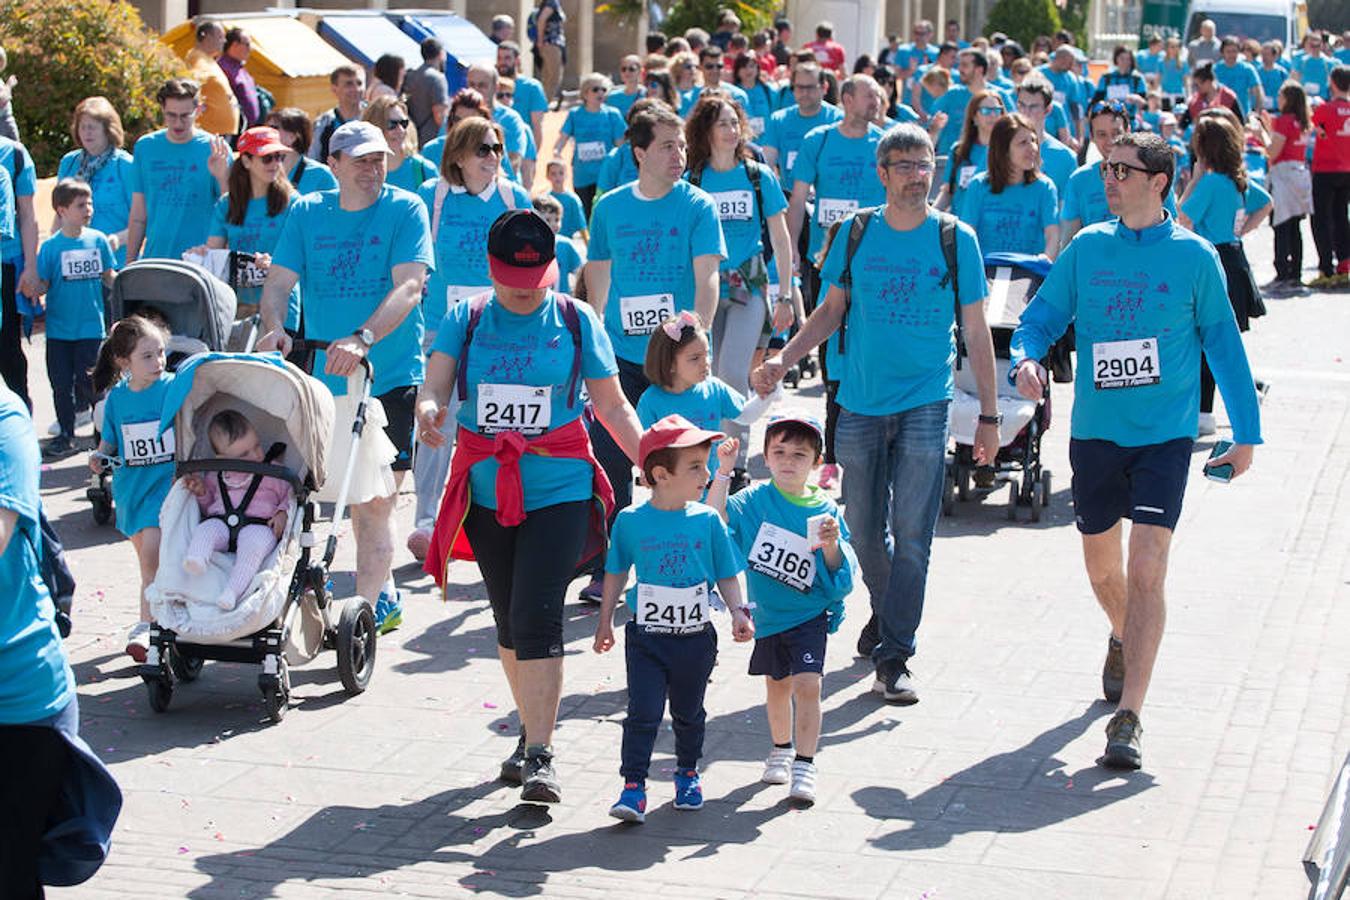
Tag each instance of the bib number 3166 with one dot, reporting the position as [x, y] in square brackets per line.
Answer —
[1125, 364]
[784, 556]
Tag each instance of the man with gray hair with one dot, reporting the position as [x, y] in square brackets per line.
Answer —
[894, 278]
[1204, 48]
[503, 29]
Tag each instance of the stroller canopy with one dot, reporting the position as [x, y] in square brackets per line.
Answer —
[196, 303]
[283, 403]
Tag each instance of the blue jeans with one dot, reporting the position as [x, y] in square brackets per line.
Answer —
[68, 365]
[894, 468]
[661, 668]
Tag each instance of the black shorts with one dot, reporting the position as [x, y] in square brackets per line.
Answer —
[1145, 484]
[799, 649]
[399, 408]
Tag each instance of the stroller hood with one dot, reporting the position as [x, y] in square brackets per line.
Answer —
[283, 403]
[196, 303]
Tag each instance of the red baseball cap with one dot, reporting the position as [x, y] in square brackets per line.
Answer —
[261, 141]
[673, 431]
[520, 250]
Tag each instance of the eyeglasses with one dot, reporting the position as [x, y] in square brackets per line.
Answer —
[909, 167]
[990, 110]
[1119, 171]
[813, 86]
[397, 123]
[711, 67]
[486, 150]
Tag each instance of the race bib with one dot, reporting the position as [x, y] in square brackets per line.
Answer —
[734, 205]
[829, 211]
[772, 291]
[1117, 91]
[784, 556]
[756, 125]
[457, 292]
[967, 173]
[641, 314]
[673, 610]
[514, 407]
[143, 445]
[1125, 364]
[1059, 97]
[249, 274]
[591, 151]
[1312, 88]
[81, 265]
[791, 159]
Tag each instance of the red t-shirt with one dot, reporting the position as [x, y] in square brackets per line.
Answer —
[1331, 150]
[1295, 147]
[830, 54]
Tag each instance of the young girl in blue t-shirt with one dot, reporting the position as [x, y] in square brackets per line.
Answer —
[132, 359]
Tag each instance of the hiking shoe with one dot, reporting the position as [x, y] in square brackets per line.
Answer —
[688, 791]
[541, 782]
[419, 542]
[803, 781]
[829, 474]
[1122, 741]
[632, 803]
[1113, 670]
[59, 447]
[778, 767]
[895, 683]
[593, 592]
[740, 480]
[513, 767]
[870, 637]
[138, 642]
[388, 612]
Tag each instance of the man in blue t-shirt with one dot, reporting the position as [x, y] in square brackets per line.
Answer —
[973, 66]
[529, 101]
[1145, 297]
[178, 173]
[360, 255]
[1239, 76]
[789, 126]
[1034, 98]
[896, 346]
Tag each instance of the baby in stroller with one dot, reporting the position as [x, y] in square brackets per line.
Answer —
[241, 512]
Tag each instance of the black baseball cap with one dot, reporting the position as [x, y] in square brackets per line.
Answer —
[520, 250]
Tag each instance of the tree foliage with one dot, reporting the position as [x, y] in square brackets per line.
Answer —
[1023, 20]
[63, 51]
[686, 14]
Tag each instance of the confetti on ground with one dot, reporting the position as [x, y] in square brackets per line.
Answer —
[489, 705]
[182, 850]
[218, 836]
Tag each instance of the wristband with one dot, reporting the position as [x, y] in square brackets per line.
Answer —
[721, 476]
[996, 419]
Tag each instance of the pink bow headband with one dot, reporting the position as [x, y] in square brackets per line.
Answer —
[674, 327]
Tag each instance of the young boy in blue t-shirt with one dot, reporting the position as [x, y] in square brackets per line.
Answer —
[681, 551]
[800, 569]
[73, 266]
[573, 213]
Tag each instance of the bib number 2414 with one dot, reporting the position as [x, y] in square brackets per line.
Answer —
[673, 609]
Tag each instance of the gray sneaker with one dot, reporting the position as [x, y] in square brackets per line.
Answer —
[541, 781]
[895, 683]
[1113, 670]
[1123, 735]
[513, 767]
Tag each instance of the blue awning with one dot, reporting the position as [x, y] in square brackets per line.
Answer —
[367, 37]
[462, 40]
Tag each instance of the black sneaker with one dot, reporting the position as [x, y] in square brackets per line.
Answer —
[513, 766]
[541, 782]
[1122, 741]
[59, 447]
[870, 637]
[1113, 670]
[740, 480]
[895, 683]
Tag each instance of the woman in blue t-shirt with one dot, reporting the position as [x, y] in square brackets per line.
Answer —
[407, 168]
[1123, 83]
[593, 128]
[764, 97]
[102, 164]
[296, 131]
[1172, 71]
[1012, 206]
[970, 154]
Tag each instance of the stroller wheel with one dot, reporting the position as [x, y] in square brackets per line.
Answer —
[161, 693]
[185, 667]
[1045, 487]
[276, 690]
[962, 482]
[1012, 500]
[356, 637]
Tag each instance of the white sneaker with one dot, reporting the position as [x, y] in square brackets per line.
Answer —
[1207, 424]
[138, 641]
[54, 429]
[778, 767]
[803, 782]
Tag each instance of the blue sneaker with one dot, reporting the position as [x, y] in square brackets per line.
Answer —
[632, 805]
[388, 613]
[688, 791]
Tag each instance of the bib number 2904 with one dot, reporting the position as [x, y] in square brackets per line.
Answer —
[1125, 364]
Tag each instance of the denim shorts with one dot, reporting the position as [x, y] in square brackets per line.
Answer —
[1145, 484]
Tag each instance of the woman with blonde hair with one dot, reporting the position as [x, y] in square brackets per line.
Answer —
[101, 163]
[407, 168]
[594, 129]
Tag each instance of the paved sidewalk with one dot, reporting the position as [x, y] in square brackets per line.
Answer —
[986, 789]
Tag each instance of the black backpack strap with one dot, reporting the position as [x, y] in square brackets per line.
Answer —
[947, 238]
[696, 177]
[753, 173]
[300, 169]
[572, 318]
[857, 227]
[462, 370]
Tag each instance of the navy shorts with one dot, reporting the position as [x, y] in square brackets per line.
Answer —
[399, 408]
[1145, 484]
[799, 649]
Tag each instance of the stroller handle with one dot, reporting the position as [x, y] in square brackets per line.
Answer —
[307, 348]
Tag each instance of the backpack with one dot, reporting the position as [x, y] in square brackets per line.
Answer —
[55, 572]
[857, 226]
[752, 171]
[571, 318]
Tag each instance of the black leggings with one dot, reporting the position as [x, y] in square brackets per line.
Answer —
[34, 759]
[13, 364]
[526, 569]
[587, 195]
[1289, 249]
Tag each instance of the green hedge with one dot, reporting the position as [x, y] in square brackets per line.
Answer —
[1024, 20]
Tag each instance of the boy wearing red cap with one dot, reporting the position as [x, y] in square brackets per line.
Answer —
[681, 550]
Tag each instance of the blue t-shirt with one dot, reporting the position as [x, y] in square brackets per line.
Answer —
[345, 263]
[74, 267]
[461, 240]
[35, 679]
[1315, 73]
[843, 171]
[959, 179]
[672, 548]
[570, 261]
[1164, 285]
[618, 168]
[1213, 207]
[907, 55]
[529, 98]
[651, 245]
[1058, 162]
[534, 350]
[1117, 85]
[787, 129]
[734, 197]
[593, 135]
[111, 186]
[1173, 80]
[1146, 62]
[518, 134]
[1013, 220]
[1241, 78]
[23, 179]
[900, 341]
[257, 234]
[1271, 81]
[778, 605]
[180, 192]
[574, 214]
[314, 176]
[1056, 120]
[618, 99]
[410, 173]
[763, 100]
[705, 404]
[131, 426]
[8, 225]
[1069, 90]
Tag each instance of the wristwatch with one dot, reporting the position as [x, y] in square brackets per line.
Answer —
[365, 336]
[995, 419]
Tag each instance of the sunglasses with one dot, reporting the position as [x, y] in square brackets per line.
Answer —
[630, 68]
[505, 95]
[486, 150]
[270, 157]
[711, 67]
[991, 110]
[597, 89]
[397, 123]
[1119, 171]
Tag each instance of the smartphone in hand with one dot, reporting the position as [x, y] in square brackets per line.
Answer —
[1224, 473]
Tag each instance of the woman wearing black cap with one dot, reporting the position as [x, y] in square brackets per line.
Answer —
[526, 497]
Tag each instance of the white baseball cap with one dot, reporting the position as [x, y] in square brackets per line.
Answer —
[357, 139]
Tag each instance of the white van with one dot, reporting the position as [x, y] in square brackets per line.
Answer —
[1261, 20]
